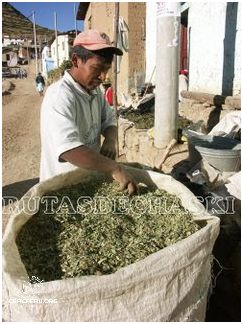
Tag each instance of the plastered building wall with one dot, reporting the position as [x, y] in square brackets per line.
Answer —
[150, 41]
[63, 49]
[206, 40]
[214, 47]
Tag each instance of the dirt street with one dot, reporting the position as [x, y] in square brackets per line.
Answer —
[20, 122]
[20, 135]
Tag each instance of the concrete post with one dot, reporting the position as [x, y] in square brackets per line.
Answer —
[167, 72]
[56, 36]
[75, 20]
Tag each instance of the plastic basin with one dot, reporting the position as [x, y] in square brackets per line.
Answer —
[221, 152]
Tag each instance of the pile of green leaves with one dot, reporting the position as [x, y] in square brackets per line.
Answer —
[146, 120]
[141, 121]
[67, 244]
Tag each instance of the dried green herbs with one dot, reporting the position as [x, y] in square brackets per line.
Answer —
[146, 120]
[93, 229]
[141, 121]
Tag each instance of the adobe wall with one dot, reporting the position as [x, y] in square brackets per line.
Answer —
[132, 64]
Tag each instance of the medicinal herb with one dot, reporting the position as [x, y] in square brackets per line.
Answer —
[93, 230]
[146, 120]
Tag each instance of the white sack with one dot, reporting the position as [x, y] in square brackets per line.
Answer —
[229, 126]
[169, 285]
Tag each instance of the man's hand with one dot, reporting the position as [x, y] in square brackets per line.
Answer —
[125, 179]
[87, 158]
[108, 148]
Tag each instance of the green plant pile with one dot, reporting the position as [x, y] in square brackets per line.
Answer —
[141, 121]
[146, 120]
[68, 244]
[56, 74]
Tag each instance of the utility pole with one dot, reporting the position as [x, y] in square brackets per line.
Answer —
[115, 57]
[75, 20]
[56, 36]
[36, 55]
[40, 54]
[115, 68]
[167, 73]
[28, 56]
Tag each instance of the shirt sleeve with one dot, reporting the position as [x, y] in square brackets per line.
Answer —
[59, 123]
[108, 116]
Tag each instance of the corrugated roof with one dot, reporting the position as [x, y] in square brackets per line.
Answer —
[82, 10]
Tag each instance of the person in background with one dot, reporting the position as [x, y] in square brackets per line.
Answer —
[74, 114]
[108, 91]
[19, 74]
[40, 83]
[183, 82]
[25, 73]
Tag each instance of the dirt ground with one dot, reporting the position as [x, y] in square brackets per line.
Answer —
[20, 171]
[20, 129]
[20, 135]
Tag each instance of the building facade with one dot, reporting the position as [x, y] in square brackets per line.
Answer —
[211, 37]
[131, 65]
[214, 45]
[9, 57]
[62, 45]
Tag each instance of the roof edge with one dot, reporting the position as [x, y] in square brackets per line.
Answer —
[82, 10]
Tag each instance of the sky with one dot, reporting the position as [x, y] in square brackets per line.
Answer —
[44, 14]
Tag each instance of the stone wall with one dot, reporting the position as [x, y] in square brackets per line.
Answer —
[137, 145]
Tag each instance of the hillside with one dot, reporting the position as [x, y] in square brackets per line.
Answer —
[16, 25]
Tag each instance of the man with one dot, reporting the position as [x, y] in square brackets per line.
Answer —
[40, 83]
[74, 114]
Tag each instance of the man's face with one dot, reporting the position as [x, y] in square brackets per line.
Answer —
[91, 73]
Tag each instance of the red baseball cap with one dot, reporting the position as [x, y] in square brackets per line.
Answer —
[94, 40]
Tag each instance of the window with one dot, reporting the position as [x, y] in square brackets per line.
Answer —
[63, 46]
[8, 57]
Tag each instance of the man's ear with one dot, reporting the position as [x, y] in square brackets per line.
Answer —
[75, 60]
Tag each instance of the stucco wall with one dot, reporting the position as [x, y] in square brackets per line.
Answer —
[214, 32]
[214, 47]
[137, 32]
[150, 41]
[206, 41]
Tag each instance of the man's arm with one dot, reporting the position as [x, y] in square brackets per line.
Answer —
[109, 145]
[87, 158]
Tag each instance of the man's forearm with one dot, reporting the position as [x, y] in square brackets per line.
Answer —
[110, 133]
[87, 158]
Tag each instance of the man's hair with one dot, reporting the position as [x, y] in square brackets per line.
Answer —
[106, 55]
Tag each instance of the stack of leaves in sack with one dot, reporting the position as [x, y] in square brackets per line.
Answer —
[75, 235]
